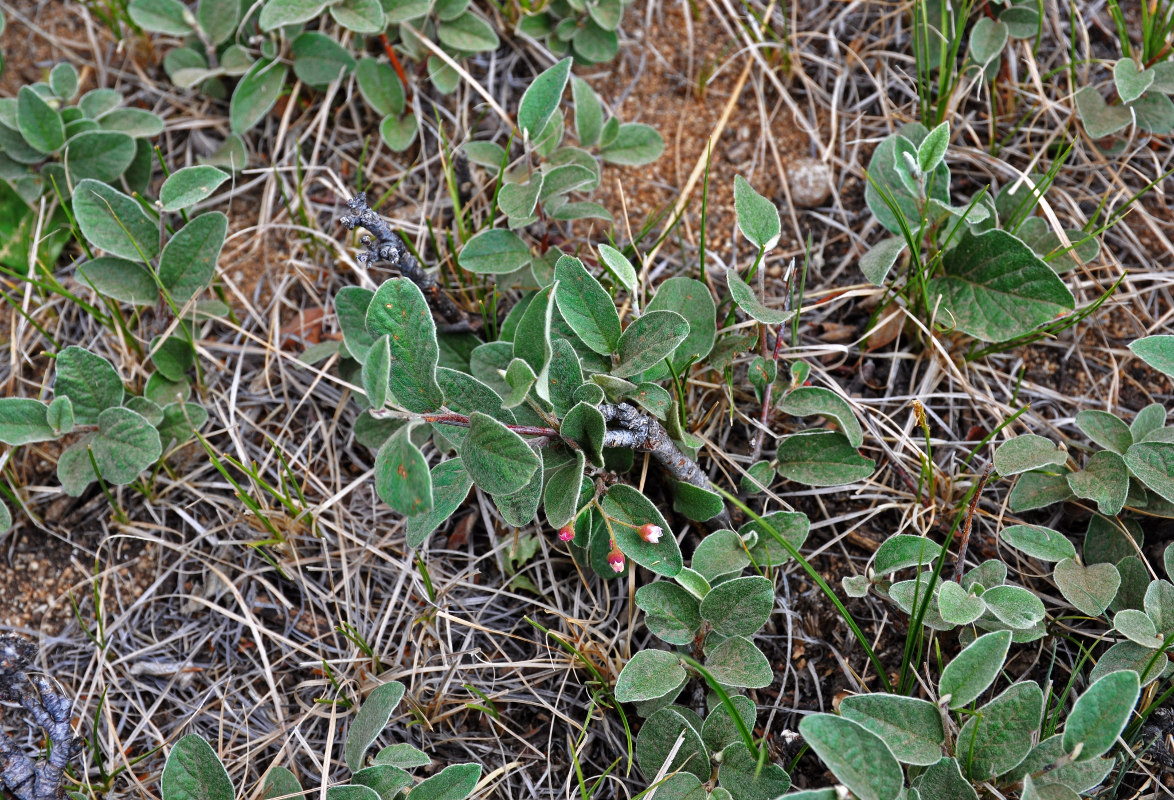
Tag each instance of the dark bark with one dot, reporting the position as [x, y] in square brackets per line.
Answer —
[388, 247]
[28, 778]
[642, 432]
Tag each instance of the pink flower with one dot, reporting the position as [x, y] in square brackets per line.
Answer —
[650, 533]
[616, 559]
[566, 532]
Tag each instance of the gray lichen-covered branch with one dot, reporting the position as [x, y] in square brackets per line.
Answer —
[389, 248]
[642, 432]
[27, 778]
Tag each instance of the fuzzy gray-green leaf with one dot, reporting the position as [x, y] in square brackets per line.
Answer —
[402, 479]
[974, 669]
[586, 307]
[89, 381]
[125, 446]
[648, 340]
[189, 260]
[737, 661]
[399, 310]
[190, 185]
[739, 607]
[631, 510]
[912, 728]
[856, 756]
[649, 674]
[193, 771]
[1100, 714]
[370, 722]
[497, 459]
[114, 222]
[1088, 587]
[1027, 452]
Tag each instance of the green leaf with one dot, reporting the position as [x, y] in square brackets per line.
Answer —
[996, 289]
[1104, 479]
[190, 185]
[350, 306]
[586, 306]
[932, 149]
[519, 508]
[758, 219]
[520, 376]
[403, 756]
[1159, 606]
[494, 252]
[792, 527]
[360, 16]
[281, 782]
[1090, 588]
[381, 88]
[114, 222]
[318, 60]
[1100, 120]
[635, 144]
[194, 772]
[1039, 542]
[63, 80]
[588, 112]
[89, 381]
[584, 425]
[399, 310]
[518, 200]
[402, 479]
[1100, 714]
[468, 33]
[647, 340]
[1027, 452]
[720, 553]
[450, 486]
[744, 296]
[944, 781]
[822, 458]
[758, 477]
[658, 736]
[856, 756]
[738, 662]
[218, 19]
[1149, 419]
[627, 511]
[1014, 606]
[957, 606]
[385, 780]
[497, 459]
[1157, 351]
[999, 736]
[650, 674]
[911, 728]
[974, 669]
[1038, 490]
[1130, 81]
[542, 97]
[720, 730]
[161, 16]
[1131, 657]
[741, 776]
[988, 37]
[1107, 430]
[100, 155]
[455, 782]
[696, 503]
[125, 446]
[136, 122]
[1109, 541]
[279, 13]
[1080, 776]
[258, 89]
[376, 372]
[621, 267]
[1152, 463]
[1137, 627]
[655, 399]
[351, 792]
[59, 415]
[180, 420]
[561, 497]
[372, 718]
[398, 133]
[172, 357]
[120, 279]
[670, 612]
[23, 421]
[74, 470]
[807, 401]
[880, 258]
[691, 299]
[739, 607]
[188, 263]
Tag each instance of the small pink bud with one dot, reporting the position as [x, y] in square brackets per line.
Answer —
[566, 532]
[650, 533]
[616, 559]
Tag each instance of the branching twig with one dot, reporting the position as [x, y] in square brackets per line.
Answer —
[641, 432]
[388, 247]
[26, 778]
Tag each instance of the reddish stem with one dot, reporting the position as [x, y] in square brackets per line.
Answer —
[399, 68]
[461, 421]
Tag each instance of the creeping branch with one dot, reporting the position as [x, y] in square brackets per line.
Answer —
[388, 247]
[42, 700]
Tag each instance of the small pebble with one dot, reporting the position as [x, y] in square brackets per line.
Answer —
[810, 182]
